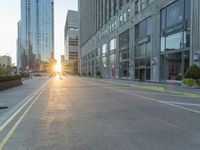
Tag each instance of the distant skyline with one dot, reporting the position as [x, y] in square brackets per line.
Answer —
[10, 15]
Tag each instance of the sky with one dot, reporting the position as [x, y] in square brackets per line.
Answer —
[10, 15]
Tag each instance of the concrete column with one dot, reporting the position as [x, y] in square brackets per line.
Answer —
[101, 12]
[108, 10]
[97, 15]
[108, 55]
[112, 7]
[131, 54]
[117, 4]
[117, 76]
[195, 32]
[95, 62]
[155, 39]
[104, 11]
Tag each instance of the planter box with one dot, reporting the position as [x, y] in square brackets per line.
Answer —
[9, 84]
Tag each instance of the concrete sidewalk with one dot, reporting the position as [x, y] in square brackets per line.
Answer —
[11, 98]
[166, 88]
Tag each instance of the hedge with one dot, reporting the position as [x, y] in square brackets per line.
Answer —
[193, 72]
[10, 78]
[191, 82]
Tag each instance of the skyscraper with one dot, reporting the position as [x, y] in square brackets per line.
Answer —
[35, 34]
[71, 40]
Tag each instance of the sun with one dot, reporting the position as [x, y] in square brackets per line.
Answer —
[58, 67]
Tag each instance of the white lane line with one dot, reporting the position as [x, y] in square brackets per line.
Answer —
[181, 107]
[148, 98]
[14, 127]
[179, 103]
[12, 110]
[157, 101]
[4, 125]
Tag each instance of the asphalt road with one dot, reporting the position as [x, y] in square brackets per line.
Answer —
[72, 113]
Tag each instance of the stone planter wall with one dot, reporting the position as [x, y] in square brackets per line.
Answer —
[9, 84]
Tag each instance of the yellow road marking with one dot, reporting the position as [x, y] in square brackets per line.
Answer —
[10, 133]
[17, 112]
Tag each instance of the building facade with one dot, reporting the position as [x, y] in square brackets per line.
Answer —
[35, 42]
[71, 41]
[5, 61]
[148, 40]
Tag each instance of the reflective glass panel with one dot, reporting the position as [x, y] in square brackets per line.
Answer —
[173, 42]
[175, 13]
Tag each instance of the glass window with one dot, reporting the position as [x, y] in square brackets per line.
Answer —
[137, 32]
[187, 39]
[104, 62]
[163, 24]
[115, 24]
[149, 48]
[136, 63]
[125, 17]
[143, 4]
[128, 12]
[104, 49]
[148, 74]
[175, 13]
[136, 74]
[125, 55]
[137, 51]
[121, 19]
[149, 26]
[137, 6]
[148, 62]
[188, 12]
[142, 62]
[125, 69]
[124, 41]
[112, 59]
[141, 30]
[143, 50]
[162, 44]
[173, 42]
[186, 60]
[112, 44]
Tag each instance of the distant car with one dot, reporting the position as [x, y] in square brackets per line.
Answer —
[25, 75]
[37, 75]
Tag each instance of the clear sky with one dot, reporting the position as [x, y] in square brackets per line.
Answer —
[10, 14]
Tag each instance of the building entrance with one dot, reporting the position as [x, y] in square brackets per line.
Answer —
[142, 74]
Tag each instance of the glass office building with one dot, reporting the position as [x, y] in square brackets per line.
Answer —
[146, 40]
[35, 34]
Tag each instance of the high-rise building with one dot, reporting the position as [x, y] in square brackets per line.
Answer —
[5, 61]
[149, 40]
[35, 34]
[71, 40]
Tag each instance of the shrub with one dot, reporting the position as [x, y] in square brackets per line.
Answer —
[190, 82]
[98, 73]
[193, 72]
[3, 71]
[10, 78]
